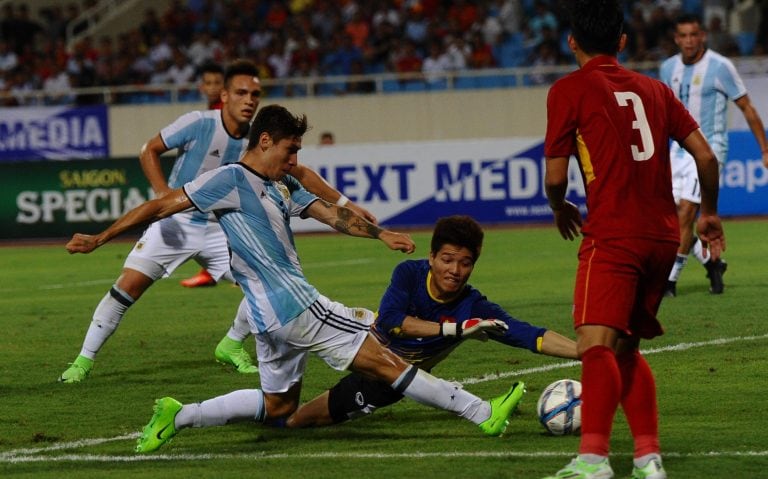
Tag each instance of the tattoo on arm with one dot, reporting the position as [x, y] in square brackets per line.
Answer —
[347, 221]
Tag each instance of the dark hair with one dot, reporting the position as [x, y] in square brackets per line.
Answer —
[211, 67]
[596, 25]
[240, 67]
[458, 230]
[278, 123]
[688, 18]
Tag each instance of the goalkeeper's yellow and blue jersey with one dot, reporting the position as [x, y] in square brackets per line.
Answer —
[408, 295]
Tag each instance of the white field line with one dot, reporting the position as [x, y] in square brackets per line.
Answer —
[570, 364]
[347, 455]
[33, 454]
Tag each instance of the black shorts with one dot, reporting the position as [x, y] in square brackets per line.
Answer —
[356, 395]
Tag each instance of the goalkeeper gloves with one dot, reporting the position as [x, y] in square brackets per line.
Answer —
[475, 327]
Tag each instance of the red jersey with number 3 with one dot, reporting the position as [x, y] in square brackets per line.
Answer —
[618, 124]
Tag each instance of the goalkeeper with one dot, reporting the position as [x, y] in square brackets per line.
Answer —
[426, 312]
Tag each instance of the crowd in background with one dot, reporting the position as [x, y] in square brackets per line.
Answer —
[308, 38]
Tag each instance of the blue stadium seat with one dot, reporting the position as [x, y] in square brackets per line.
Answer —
[414, 85]
[464, 83]
[492, 81]
[389, 86]
[437, 85]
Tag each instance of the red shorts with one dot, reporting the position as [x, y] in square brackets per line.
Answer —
[620, 284]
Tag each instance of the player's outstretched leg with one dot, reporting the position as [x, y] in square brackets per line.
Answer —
[580, 468]
[161, 427]
[77, 371]
[230, 351]
[501, 408]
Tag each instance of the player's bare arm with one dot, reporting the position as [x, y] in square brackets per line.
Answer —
[144, 214]
[567, 215]
[317, 185]
[346, 221]
[149, 157]
[555, 344]
[708, 225]
[755, 123]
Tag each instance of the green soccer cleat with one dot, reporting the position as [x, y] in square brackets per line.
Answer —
[652, 470]
[579, 469]
[229, 351]
[501, 408]
[77, 371]
[161, 427]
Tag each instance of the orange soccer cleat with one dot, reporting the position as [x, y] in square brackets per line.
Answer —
[203, 278]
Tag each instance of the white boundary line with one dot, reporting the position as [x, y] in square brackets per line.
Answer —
[33, 454]
[570, 364]
[349, 455]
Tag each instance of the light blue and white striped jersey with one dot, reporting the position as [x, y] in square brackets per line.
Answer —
[254, 213]
[705, 88]
[202, 144]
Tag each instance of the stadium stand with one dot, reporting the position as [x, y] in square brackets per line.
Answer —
[103, 51]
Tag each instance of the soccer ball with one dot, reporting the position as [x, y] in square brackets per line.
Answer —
[559, 407]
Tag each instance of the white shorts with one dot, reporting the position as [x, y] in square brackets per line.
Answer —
[327, 328]
[685, 176]
[170, 242]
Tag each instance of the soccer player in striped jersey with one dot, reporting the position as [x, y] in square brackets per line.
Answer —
[254, 200]
[427, 310]
[205, 140]
[704, 81]
[618, 124]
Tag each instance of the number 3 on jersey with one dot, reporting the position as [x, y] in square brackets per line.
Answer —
[640, 123]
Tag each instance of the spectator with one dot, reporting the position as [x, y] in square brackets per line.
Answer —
[8, 58]
[510, 15]
[542, 18]
[204, 49]
[415, 27]
[181, 71]
[464, 13]
[58, 88]
[338, 61]
[358, 29]
[482, 53]
[408, 60]
[436, 64]
[327, 138]
[458, 52]
[720, 40]
[488, 26]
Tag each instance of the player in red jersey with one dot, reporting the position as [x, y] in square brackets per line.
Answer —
[618, 124]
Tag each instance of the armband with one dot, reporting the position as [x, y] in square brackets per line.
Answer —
[342, 201]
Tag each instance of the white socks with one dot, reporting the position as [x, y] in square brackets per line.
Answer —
[426, 389]
[240, 328]
[677, 268]
[698, 251]
[106, 318]
[242, 405]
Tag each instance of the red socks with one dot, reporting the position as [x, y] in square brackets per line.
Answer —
[638, 399]
[608, 380]
[600, 395]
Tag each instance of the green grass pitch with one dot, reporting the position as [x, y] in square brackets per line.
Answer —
[710, 369]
